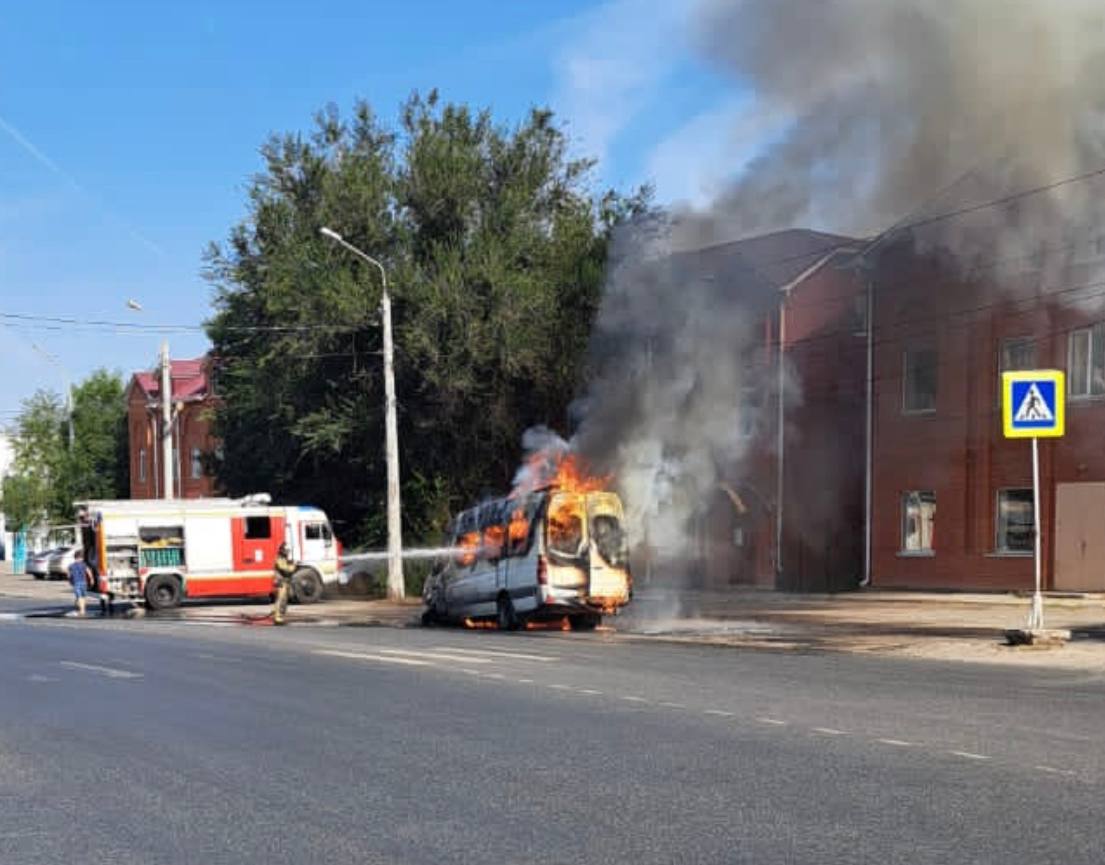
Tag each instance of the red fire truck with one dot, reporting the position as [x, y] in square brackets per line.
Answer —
[163, 551]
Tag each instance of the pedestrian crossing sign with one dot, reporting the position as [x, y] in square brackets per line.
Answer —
[1032, 404]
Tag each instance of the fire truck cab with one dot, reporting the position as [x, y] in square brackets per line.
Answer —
[164, 551]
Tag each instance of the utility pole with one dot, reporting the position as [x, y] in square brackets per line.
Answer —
[396, 588]
[166, 423]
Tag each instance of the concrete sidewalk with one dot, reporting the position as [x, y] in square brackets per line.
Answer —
[950, 626]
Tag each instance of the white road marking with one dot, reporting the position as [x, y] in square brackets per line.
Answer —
[590, 691]
[525, 681]
[674, 705]
[898, 743]
[37, 677]
[471, 672]
[557, 687]
[10, 617]
[1053, 771]
[494, 676]
[631, 699]
[830, 731]
[969, 755]
[436, 656]
[495, 653]
[775, 722]
[109, 672]
[718, 712]
[361, 656]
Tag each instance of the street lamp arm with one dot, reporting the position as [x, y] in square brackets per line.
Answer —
[337, 238]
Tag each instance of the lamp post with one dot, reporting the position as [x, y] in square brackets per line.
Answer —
[391, 428]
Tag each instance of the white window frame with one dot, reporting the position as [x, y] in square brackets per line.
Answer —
[906, 409]
[1094, 335]
[999, 548]
[197, 464]
[914, 498]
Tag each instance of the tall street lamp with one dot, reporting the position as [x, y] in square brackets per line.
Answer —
[396, 589]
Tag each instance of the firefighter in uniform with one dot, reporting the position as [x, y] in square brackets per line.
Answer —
[283, 569]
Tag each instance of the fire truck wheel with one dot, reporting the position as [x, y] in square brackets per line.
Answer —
[308, 586]
[162, 592]
[505, 616]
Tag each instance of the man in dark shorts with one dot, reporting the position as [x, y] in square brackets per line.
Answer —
[78, 579]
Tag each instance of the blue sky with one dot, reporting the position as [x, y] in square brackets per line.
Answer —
[129, 129]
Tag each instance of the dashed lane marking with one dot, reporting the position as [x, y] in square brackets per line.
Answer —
[525, 681]
[363, 656]
[775, 722]
[969, 755]
[673, 705]
[559, 687]
[830, 731]
[632, 699]
[109, 672]
[38, 677]
[496, 653]
[719, 712]
[897, 743]
[1051, 770]
[435, 656]
[590, 691]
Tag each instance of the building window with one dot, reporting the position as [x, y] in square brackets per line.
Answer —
[1016, 524]
[919, 380]
[1086, 362]
[1018, 353]
[142, 465]
[197, 464]
[749, 411]
[918, 521]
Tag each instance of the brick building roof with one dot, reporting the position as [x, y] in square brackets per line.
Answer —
[189, 380]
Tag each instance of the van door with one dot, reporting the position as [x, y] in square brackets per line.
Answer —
[609, 550]
[566, 542]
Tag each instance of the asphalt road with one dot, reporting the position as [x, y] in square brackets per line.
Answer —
[154, 742]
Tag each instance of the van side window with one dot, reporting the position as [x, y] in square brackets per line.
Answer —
[258, 528]
[494, 539]
[518, 532]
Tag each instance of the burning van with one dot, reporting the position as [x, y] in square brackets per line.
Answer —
[554, 553]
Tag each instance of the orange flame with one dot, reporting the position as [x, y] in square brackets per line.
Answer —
[567, 472]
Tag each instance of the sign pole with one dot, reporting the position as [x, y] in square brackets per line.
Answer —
[1036, 616]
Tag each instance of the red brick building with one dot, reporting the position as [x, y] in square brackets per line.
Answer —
[790, 515]
[952, 500]
[193, 402]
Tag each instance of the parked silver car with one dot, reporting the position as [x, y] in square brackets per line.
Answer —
[38, 564]
[61, 560]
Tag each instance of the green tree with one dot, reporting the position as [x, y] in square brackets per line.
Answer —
[32, 491]
[49, 473]
[495, 249]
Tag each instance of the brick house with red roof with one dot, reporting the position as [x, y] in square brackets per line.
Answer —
[193, 442]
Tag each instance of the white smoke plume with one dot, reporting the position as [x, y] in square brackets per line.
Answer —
[894, 110]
